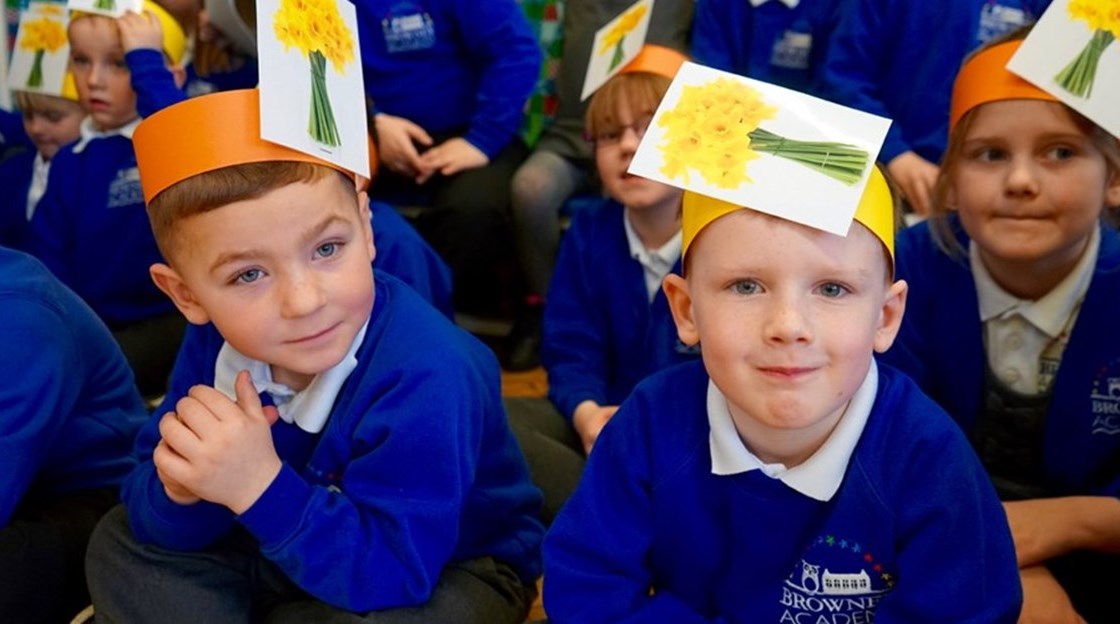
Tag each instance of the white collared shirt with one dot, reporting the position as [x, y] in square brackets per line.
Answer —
[39, 172]
[1025, 339]
[656, 263]
[789, 3]
[818, 477]
[308, 408]
[89, 133]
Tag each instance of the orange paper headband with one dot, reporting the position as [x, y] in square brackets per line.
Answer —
[875, 211]
[206, 133]
[985, 78]
[658, 60]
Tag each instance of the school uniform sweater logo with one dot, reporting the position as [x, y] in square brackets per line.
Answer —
[125, 190]
[408, 27]
[1105, 398]
[837, 581]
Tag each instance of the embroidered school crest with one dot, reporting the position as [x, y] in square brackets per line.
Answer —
[837, 580]
[1105, 399]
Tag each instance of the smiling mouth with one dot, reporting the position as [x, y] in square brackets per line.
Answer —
[315, 336]
[787, 372]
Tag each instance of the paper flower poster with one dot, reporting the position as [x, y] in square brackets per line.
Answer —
[112, 8]
[1072, 53]
[616, 44]
[42, 51]
[763, 146]
[312, 96]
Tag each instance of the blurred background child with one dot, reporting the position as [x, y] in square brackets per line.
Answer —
[1011, 324]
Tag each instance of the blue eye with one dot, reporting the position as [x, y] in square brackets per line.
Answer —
[746, 287]
[249, 276]
[833, 290]
[326, 250]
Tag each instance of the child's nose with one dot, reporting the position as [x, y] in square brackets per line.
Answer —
[786, 322]
[1022, 179]
[303, 294]
[629, 139]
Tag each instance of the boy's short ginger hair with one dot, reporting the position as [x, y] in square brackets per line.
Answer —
[213, 189]
[642, 91]
[30, 102]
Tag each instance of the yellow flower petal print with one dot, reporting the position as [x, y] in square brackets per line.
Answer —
[43, 34]
[1098, 14]
[628, 22]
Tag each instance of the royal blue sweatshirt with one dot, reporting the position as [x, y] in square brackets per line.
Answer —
[16, 172]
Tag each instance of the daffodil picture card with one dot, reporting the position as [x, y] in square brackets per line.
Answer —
[761, 146]
[312, 96]
[41, 50]
[616, 44]
[112, 8]
[1073, 54]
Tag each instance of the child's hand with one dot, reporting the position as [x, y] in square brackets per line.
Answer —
[140, 31]
[449, 158]
[220, 450]
[915, 177]
[589, 419]
[174, 490]
[395, 143]
[1044, 600]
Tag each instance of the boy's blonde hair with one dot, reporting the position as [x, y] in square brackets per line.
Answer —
[30, 102]
[940, 226]
[641, 90]
[213, 189]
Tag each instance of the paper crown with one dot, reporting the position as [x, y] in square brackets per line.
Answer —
[42, 52]
[208, 132]
[875, 211]
[174, 38]
[985, 78]
[655, 59]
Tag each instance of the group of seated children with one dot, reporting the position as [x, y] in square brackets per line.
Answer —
[332, 448]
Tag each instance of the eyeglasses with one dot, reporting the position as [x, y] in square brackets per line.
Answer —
[612, 135]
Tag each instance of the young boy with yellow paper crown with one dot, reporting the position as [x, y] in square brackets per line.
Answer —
[51, 122]
[786, 477]
[90, 228]
[374, 479]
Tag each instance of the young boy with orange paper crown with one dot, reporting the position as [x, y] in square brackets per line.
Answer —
[1019, 268]
[381, 483]
[607, 325]
[787, 477]
[51, 121]
[90, 228]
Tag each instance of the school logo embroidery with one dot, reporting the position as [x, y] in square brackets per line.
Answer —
[1105, 398]
[837, 581]
[125, 190]
[408, 27]
[791, 51]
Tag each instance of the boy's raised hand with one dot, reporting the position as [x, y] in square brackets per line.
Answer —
[396, 143]
[589, 420]
[216, 449]
[140, 31]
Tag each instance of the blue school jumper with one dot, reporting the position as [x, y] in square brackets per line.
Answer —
[16, 172]
[402, 253]
[899, 60]
[941, 346]
[68, 408]
[770, 42]
[601, 334]
[450, 64]
[415, 468]
[914, 534]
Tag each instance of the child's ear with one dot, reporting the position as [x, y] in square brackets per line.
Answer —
[367, 220]
[179, 73]
[1112, 191]
[890, 316]
[680, 304]
[172, 285]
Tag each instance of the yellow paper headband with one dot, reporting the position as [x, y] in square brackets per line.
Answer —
[985, 78]
[655, 59]
[174, 38]
[875, 211]
[208, 132]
